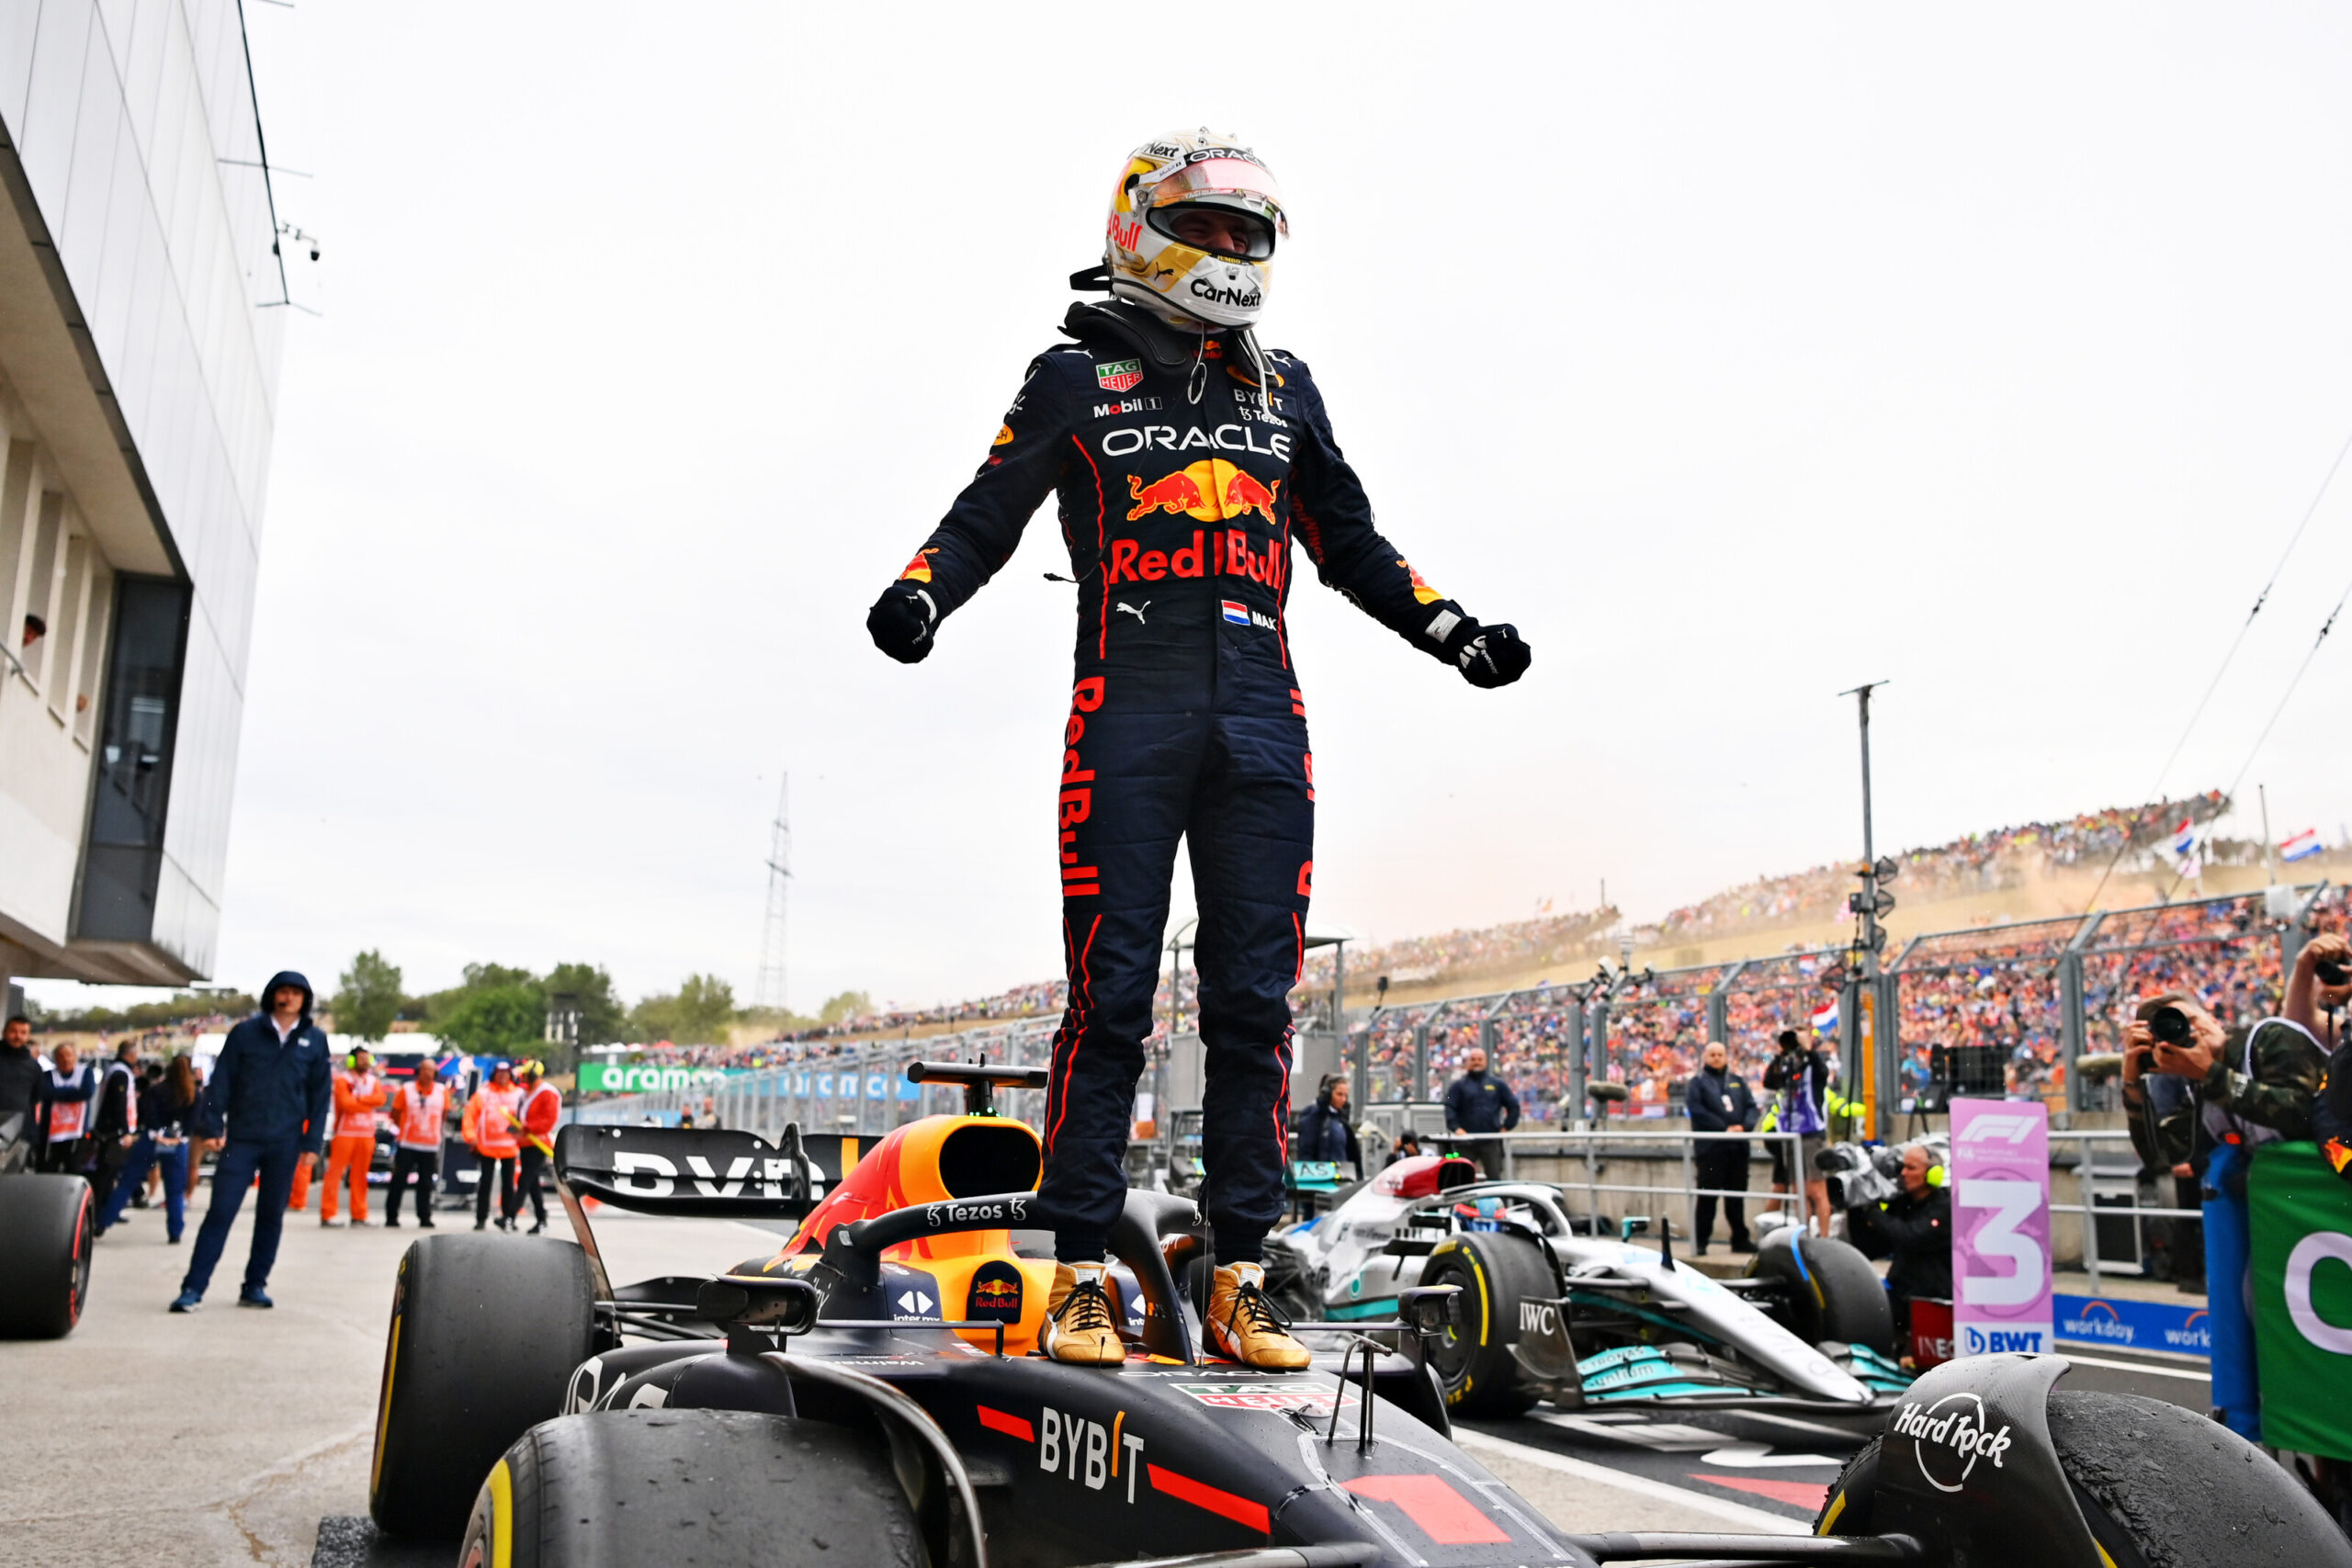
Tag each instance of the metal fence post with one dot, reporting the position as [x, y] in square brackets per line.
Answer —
[1690, 1191]
[2090, 1211]
[1420, 1086]
[1569, 1042]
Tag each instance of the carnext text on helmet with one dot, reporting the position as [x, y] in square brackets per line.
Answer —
[1143, 438]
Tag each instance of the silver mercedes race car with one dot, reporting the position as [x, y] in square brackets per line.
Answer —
[1566, 1308]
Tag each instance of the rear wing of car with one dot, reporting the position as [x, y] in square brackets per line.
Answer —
[711, 1173]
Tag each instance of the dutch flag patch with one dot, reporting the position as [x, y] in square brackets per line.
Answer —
[1236, 613]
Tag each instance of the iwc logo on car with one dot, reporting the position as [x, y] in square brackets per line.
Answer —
[1958, 1437]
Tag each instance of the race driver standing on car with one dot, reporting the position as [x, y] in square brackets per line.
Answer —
[1186, 460]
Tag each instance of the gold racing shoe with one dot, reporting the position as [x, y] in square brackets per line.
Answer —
[1246, 1326]
[1080, 1328]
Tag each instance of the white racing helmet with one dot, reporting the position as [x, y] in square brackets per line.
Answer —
[1149, 264]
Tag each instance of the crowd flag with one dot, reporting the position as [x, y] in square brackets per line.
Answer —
[1825, 1022]
[2301, 846]
[2184, 849]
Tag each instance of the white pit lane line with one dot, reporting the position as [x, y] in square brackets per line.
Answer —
[2135, 1367]
[1745, 1517]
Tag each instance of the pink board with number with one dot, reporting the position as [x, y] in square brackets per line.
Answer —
[2000, 1235]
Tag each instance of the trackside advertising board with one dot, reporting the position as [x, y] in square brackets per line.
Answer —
[2302, 1222]
[2000, 1234]
[2123, 1323]
[645, 1077]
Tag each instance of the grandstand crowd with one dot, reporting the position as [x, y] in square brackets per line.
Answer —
[1998, 987]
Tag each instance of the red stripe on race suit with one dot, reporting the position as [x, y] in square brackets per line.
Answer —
[1184, 1489]
[1086, 989]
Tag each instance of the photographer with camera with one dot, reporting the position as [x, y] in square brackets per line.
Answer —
[2236, 1089]
[1912, 1228]
[1802, 1079]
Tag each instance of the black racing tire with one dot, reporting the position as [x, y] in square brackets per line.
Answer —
[1496, 1271]
[715, 1488]
[1835, 1296]
[486, 1333]
[47, 1224]
[2159, 1485]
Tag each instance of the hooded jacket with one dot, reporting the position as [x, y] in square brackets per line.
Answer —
[264, 1090]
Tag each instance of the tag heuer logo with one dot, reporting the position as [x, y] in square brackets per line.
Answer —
[1120, 375]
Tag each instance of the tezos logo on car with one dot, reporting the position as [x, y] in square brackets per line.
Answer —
[1961, 1436]
[936, 1214]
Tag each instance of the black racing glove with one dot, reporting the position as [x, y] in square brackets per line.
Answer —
[1487, 656]
[901, 620]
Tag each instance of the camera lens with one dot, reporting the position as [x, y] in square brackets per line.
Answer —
[2331, 972]
[2170, 1025]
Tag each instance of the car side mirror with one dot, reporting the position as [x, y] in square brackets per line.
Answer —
[1430, 1310]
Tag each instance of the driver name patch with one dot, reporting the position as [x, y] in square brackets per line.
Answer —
[1262, 1396]
[995, 1295]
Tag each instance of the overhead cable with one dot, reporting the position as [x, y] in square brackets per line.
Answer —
[2227, 660]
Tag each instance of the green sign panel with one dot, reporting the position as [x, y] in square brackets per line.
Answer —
[641, 1077]
[2302, 1214]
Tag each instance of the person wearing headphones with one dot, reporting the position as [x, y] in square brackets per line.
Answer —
[542, 1111]
[358, 1095]
[1913, 1228]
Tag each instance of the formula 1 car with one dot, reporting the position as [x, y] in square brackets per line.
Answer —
[47, 1225]
[870, 1396]
[1556, 1309]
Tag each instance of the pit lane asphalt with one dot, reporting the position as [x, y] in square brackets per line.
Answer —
[236, 1436]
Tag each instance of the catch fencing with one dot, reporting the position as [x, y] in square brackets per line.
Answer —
[2043, 993]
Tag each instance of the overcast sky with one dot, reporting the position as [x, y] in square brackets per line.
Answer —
[1737, 354]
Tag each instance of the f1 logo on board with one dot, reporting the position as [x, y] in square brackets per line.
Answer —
[2011, 1129]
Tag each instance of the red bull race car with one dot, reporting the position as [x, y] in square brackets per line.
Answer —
[871, 1394]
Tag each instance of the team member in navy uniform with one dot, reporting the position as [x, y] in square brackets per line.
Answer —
[1186, 460]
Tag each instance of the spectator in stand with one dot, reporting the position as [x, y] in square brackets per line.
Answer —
[420, 1113]
[1322, 1132]
[63, 1144]
[1719, 1101]
[492, 1117]
[1477, 1103]
[358, 1095]
[264, 1111]
[166, 1109]
[542, 1110]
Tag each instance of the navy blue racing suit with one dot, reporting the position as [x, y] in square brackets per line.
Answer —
[1182, 483]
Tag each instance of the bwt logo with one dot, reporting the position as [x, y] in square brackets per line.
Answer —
[1993, 1341]
[2012, 1130]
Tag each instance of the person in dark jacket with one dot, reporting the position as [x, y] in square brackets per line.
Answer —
[265, 1110]
[1719, 1101]
[20, 1073]
[1408, 1146]
[1802, 1079]
[1476, 1102]
[1322, 1132]
[1914, 1227]
[166, 1108]
[114, 1128]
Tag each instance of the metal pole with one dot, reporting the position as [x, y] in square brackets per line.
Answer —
[2090, 1211]
[2270, 850]
[1866, 905]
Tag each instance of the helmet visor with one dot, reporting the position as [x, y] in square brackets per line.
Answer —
[1235, 185]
